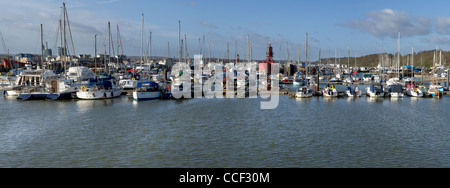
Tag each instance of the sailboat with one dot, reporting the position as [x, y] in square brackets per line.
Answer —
[435, 90]
[100, 89]
[411, 88]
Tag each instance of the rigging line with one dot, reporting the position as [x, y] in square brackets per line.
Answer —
[70, 32]
[56, 40]
[3, 43]
[120, 40]
[112, 44]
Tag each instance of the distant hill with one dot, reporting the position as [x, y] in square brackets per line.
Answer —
[390, 60]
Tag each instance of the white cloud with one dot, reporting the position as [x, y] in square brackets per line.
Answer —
[388, 22]
[206, 24]
[443, 25]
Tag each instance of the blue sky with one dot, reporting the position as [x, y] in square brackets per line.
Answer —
[330, 24]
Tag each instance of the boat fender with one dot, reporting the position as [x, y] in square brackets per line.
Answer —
[112, 94]
[93, 94]
[4, 92]
[104, 94]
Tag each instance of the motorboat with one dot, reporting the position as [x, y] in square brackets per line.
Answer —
[436, 90]
[396, 91]
[330, 91]
[413, 91]
[304, 92]
[375, 92]
[147, 91]
[100, 89]
[353, 92]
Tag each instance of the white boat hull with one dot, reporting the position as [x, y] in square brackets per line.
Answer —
[303, 95]
[396, 95]
[99, 94]
[349, 94]
[13, 93]
[142, 95]
[374, 95]
[412, 93]
[330, 93]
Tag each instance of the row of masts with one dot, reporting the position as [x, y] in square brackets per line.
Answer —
[182, 47]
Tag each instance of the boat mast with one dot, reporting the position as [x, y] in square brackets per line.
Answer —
[180, 49]
[287, 52]
[142, 41]
[150, 46]
[307, 69]
[64, 49]
[117, 67]
[434, 66]
[109, 45]
[248, 48]
[382, 62]
[42, 47]
[95, 53]
[412, 61]
[348, 64]
[398, 55]
[61, 54]
[104, 59]
[185, 49]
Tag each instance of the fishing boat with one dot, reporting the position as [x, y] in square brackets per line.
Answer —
[96, 89]
[147, 91]
[413, 91]
[352, 92]
[375, 92]
[330, 91]
[304, 92]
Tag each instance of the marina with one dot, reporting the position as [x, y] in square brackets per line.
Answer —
[198, 110]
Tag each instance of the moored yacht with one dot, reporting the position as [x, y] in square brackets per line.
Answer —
[396, 91]
[147, 91]
[353, 92]
[330, 91]
[413, 91]
[304, 92]
[376, 92]
[103, 89]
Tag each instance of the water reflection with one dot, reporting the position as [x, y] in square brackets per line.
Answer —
[330, 99]
[375, 99]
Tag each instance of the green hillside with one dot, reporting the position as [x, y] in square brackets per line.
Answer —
[389, 59]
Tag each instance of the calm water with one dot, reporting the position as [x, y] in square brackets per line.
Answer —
[312, 132]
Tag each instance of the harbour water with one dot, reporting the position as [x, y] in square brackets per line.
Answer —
[315, 132]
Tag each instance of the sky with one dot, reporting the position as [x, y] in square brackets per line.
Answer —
[332, 26]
